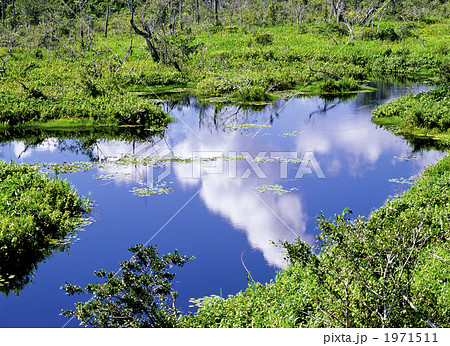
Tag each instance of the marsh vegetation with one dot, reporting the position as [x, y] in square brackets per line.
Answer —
[86, 73]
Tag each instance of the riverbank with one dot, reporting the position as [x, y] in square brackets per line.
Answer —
[425, 115]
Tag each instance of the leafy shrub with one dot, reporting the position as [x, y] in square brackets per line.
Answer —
[384, 34]
[441, 49]
[138, 297]
[332, 86]
[430, 110]
[263, 38]
[428, 20]
[252, 93]
[231, 29]
[37, 215]
[93, 89]
[152, 77]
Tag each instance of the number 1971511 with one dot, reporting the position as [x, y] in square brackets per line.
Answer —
[410, 337]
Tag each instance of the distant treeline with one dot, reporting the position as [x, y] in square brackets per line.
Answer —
[51, 20]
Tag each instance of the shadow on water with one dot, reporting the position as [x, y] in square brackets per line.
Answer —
[18, 270]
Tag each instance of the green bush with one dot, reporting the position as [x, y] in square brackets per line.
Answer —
[137, 298]
[345, 84]
[430, 110]
[37, 216]
[263, 38]
[383, 34]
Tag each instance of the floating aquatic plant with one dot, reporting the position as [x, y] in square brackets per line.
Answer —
[154, 189]
[402, 180]
[277, 159]
[406, 157]
[247, 126]
[112, 176]
[67, 167]
[290, 134]
[275, 189]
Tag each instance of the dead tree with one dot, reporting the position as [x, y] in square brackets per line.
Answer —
[338, 9]
[107, 18]
[3, 12]
[147, 33]
[3, 68]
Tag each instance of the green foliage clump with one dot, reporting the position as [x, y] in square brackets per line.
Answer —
[263, 38]
[37, 215]
[343, 85]
[380, 271]
[138, 297]
[241, 88]
[429, 110]
[97, 108]
[384, 34]
[252, 93]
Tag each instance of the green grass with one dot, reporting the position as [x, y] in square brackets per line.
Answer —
[242, 66]
[423, 115]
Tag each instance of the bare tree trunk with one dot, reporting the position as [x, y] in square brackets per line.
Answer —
[216, 16]
[3, 12]
[146, 35]
[381, 18]
[180, 10]
[299, 13]
[340, 10]
[197, 14]
[107, 18]
[14, 14]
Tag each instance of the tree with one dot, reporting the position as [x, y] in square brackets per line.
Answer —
[107, 18]
[147, 32]
[141, 296]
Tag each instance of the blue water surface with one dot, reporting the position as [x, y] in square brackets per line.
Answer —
[216, 211]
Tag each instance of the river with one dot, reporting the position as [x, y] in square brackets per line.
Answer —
[222, 205]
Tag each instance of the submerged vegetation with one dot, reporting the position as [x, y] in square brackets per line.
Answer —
[38, 215]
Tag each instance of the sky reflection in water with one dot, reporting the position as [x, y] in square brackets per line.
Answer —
[227, 220]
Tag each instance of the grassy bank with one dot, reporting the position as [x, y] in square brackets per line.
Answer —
[424, 115]
[22, 106]
[38, 216]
